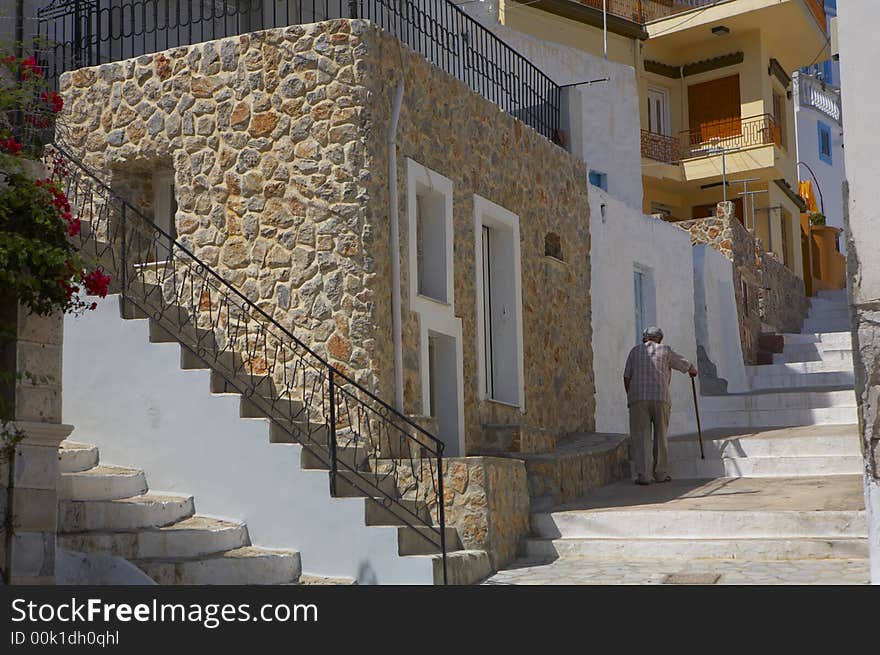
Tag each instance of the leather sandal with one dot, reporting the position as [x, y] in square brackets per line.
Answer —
[666, 479]
[642, 482]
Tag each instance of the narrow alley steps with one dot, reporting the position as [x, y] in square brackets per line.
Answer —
[813, 450]
[725, 518]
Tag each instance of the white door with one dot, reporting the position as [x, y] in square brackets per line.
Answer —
[658, 111]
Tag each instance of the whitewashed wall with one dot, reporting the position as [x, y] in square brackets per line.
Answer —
[622, 239]
[830, 177]
[130, 398]
[715, 317]
[859, 49]
[605, 129]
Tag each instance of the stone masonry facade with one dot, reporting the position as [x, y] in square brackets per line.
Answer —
[768, 294]
[483, 150]
[278, 143]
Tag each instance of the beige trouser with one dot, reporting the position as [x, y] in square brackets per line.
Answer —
[649, 461]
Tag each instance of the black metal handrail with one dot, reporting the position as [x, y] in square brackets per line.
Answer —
[79, 33]
[392, 459]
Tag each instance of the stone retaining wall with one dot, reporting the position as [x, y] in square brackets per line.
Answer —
[783, 301]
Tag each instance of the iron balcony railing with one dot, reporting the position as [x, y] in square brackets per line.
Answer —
[660, 147]
[815, 93]
[730, 134]
[365, 444]
[77, 33]
[643, 11]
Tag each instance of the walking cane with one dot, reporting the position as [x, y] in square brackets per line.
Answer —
[697, 411]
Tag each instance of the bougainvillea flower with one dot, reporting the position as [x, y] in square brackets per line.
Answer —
[97, 283]
[10, 145]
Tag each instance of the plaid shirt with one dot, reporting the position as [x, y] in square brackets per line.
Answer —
[649, 367]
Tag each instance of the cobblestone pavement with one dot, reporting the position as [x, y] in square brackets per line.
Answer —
[577, 571]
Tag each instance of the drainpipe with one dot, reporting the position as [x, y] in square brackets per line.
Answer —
[396, 337]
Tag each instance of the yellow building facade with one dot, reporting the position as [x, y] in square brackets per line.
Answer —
[715, 95]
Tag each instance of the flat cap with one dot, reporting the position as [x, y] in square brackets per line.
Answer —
[652, 332]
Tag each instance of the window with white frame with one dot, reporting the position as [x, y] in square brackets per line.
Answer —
[164, 210]
[430, 205]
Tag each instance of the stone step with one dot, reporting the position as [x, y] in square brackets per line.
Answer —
[353, 458]
[75, 457]
[806, 398]
[423, 540]
[809, 353]
[307, 432]
[102, 483]
[240, 566]
[758, 380]
[402, 512]
[463, 567]
[360, 485]
[689, 548]
[825, 325]
[770, 418]
[191, 537]
[262, 406]
[799, 368]
[765, 467]
[170, 329]
[146, 511]
[829, 507]
[833, 340]
[829, 310]
[699, 524]
[807, 441]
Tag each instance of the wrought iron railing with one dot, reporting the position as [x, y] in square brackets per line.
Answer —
[79, 33]
[815, 93]
[365, 443]
[642, 11]
[660, 147]
[731, 134]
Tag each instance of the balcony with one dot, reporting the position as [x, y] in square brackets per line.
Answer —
[814, 93]
[730, 134]
[660, 147]
[642, 11]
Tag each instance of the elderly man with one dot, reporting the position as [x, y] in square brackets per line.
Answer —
[646, 380]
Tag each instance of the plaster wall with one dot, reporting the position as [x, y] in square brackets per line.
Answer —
[829, 177]
[142, 410]
[860, 92]
[715, 316]
[621, 240]
[603, 126]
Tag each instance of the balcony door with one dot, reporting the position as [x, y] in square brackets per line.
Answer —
[714, 110]
[658, 111]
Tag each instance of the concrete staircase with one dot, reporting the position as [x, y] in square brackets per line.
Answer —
[111, 510]
[385, 505]
[780, 482]
[809, 383]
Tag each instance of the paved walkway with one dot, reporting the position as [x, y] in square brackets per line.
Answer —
[576, 571]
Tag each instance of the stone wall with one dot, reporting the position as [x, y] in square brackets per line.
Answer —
[487, 500]
[265, 137]
[29, 479]
[455, 132]
[782, 301]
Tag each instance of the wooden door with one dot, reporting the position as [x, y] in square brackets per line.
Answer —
[714, 109]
